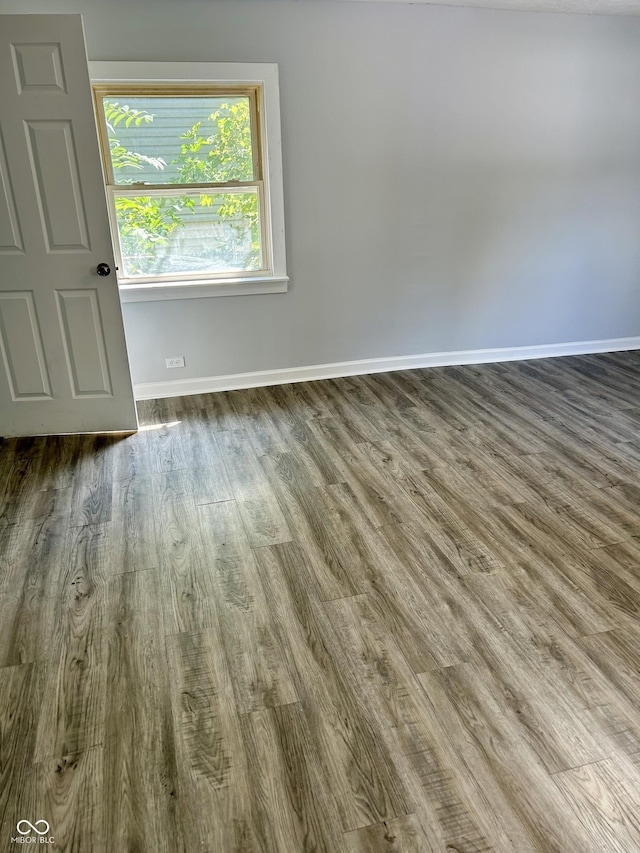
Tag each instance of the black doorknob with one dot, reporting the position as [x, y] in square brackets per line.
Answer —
[103, 269]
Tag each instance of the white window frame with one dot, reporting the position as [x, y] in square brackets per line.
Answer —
[264, 75]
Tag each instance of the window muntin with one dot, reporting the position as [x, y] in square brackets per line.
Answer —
[184, 174]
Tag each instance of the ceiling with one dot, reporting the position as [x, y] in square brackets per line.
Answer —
[585, 7]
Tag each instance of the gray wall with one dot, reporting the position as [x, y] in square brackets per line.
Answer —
[454, 178]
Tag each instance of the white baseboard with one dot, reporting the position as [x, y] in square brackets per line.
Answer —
[255, 379]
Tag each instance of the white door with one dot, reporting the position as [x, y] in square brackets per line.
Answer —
[64, 359]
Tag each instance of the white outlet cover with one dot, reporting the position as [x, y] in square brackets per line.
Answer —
[176, 361]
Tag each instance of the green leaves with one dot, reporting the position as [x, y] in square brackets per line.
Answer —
[145, 223]
[227, 154]
[121, 158]
[116, 113]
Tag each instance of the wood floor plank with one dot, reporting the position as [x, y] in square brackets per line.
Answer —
[512, 426]
[607, 580]
[400, 835]
[289, 783]
[613, 508]
[376, 490]
[487, 743]
[432, 408]
[590, 699]
[445, 809]
[374, 658]
[493, 478]
[251, 639]
[205, 463]
[93, 487]
[605, 798]
[132, 531]
[378, 665]
[258, 505]
[242, 464]
[132, 457]
[298, 401]
[66, 791]
[417, 442]
[163, 436]
[59, 458]
[616, 654]
[297, 437]
[140, 779]
[413, 614]
[544, 716]
[73, 718]
[27, 595]
[213, 806]
[21, 478]
[19, 689]
[620, 560]
[430, 611]
[350, 744]
[335, 568]
[461, 528]
[255, 411]
[12, 553]
[552, 583]
[627, 498]
[156, 412]
[188, 592]
[345, 411]
[609, 715]
[206, 721]
[491, 628]
[270, 422]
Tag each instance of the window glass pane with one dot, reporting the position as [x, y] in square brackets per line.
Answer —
[191, 232]
[179, 140]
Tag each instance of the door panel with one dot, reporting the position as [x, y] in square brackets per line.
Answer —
[38, 67]
[65, 366]
[10, 234]
[83, 336]
[22, 348]
[54, 168]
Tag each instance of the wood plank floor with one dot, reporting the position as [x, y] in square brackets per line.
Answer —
[385, 613]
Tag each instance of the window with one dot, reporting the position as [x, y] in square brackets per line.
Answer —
[184, 177]
[193, 177]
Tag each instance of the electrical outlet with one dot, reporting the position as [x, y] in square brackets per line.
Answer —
[177, 361]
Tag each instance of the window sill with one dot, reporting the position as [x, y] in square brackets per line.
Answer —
[199, 289]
